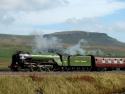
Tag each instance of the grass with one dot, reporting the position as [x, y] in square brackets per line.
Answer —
[6, 54]
[87, 83]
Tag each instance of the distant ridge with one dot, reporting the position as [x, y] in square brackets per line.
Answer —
[93, 38]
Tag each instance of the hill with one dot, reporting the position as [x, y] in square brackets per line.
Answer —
[10, 43]
[93, 39]
[67, 37]
[14, 40]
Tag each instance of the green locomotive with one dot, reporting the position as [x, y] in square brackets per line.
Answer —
[52, 62]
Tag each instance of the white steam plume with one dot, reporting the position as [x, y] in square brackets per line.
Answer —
[45, 44]
[78, 48]
[97, 52]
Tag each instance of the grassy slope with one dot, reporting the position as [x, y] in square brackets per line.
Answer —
[87, 83]
[6, 54]
[9, 44]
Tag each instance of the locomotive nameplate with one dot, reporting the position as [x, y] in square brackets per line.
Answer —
[80, 61]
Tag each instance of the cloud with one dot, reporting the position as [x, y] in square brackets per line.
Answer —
[6, 19]
[95, 25]
[76, 9]
[11, 10]
[86, 24]
[29, 5]
[49, 11]
[119, 26]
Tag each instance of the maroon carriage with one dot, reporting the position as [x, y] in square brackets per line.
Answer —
[106, 62]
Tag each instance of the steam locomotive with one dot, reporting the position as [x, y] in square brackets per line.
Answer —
[58, 62]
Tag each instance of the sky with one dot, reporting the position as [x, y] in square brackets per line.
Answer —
[24, 17]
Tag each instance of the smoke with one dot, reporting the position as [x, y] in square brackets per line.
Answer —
[53, 44]
[45, 44]
[80, 49]
[77, 49]
[96, 52]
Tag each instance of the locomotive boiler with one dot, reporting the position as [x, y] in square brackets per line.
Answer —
[33, 62]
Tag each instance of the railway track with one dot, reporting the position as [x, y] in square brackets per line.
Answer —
[54, 73]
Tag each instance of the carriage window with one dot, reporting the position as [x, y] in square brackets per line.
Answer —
[103, 60]
[121, 62]
[115, 62]
[109, 61]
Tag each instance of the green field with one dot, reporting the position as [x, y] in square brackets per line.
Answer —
[81, 83]
[6, 54]
[7, 51]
